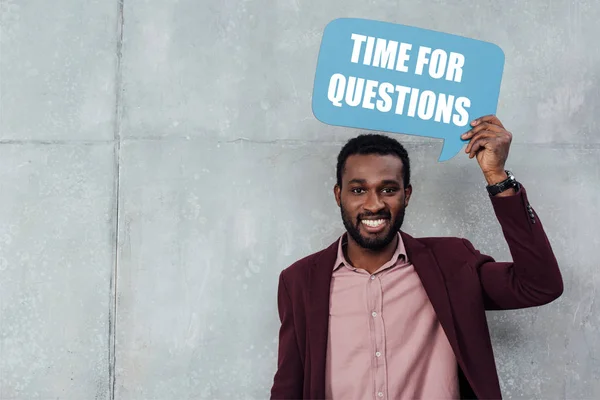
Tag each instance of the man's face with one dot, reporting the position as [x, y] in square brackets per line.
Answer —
[372, 199]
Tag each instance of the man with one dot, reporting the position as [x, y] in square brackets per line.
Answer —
[382, 315]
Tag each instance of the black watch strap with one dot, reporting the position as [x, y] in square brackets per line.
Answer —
[506, 184]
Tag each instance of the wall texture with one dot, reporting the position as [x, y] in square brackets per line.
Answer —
[160, 164]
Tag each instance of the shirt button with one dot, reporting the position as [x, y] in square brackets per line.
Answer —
[372, 277]
[380, 394]
[378, 354]
[374, 314]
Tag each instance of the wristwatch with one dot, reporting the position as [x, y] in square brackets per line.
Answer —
[506, 184]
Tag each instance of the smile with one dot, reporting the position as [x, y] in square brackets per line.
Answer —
[374, 223]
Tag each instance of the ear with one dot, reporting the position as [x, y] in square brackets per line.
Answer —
[337, 192]
[407, 194]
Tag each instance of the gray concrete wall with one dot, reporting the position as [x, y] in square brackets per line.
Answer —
[153, 184]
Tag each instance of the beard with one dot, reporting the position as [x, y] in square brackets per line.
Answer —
[373, 243]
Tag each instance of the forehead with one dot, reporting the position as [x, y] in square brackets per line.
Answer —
[373, 167]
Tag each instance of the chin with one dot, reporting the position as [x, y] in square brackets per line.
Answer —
[376, 241]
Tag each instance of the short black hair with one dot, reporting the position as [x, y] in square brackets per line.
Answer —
[373, 144]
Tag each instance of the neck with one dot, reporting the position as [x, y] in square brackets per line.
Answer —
[369, 260]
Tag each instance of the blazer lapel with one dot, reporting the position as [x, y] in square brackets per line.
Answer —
[433, 281]
[319, 279]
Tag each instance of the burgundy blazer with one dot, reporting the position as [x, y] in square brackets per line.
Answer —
[461, 283]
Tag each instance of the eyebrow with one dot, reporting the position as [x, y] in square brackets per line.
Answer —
[385, 182]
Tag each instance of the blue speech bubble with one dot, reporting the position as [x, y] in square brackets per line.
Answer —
[402, 79]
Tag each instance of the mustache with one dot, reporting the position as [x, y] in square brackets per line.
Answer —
[385, 215]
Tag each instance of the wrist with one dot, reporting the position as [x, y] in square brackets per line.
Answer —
[494, 177]
[501, 184]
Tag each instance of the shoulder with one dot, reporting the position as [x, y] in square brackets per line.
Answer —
[302, 265]
[442, 241]
[450, 251]
[445, 243]
[298, 272]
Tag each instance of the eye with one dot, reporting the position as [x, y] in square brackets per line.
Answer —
[390, 190]
[357, 190]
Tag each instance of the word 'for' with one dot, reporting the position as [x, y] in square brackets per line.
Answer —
[394, 55]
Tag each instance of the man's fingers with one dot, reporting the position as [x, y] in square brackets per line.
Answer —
[478, 136]
[488, 118]
[481, 127]
[478, 145]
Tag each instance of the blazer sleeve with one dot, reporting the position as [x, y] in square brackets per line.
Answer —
[533, 278]
[289, 377]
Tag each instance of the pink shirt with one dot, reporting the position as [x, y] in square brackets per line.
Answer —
[385, 341]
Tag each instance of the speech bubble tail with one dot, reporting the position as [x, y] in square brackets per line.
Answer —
[450, 148]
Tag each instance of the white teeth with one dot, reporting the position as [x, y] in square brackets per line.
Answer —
[373, 223]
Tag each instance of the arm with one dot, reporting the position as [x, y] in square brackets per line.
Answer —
[288, 381]
[533, 278]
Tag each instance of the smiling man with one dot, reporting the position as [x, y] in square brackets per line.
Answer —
[382, 315]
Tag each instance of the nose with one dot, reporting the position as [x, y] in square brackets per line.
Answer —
[373, 203]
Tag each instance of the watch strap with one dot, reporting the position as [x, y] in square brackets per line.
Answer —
[509, 182]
